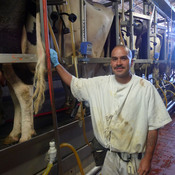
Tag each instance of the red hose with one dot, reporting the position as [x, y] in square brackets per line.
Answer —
[50, 82]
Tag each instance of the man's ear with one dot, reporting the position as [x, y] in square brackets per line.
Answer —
[132, 61]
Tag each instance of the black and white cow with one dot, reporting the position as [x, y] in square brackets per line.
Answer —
[20, 33]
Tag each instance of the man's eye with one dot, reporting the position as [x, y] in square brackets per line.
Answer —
[124, 58]
[114, 58]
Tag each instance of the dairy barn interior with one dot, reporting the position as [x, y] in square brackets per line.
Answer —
[54, 136]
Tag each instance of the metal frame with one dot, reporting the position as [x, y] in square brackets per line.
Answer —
[31, 154]
[18, 58]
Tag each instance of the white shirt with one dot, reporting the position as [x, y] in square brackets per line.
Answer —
[122, 114]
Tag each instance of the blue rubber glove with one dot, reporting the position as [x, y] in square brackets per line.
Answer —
[54, 57]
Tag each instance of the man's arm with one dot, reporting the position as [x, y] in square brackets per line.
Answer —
[145, 164]
[64, 74]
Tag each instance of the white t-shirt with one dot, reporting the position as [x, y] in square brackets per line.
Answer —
[122, 114]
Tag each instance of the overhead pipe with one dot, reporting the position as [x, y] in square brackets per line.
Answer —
[50, 82]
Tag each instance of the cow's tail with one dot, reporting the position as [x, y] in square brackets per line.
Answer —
[39, 77]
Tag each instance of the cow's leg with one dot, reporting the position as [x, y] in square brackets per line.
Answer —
[24, 95]
[16, 131]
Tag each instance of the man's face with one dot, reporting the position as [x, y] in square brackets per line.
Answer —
[120, 63]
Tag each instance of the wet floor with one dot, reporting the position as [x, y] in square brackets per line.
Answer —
[163, 162]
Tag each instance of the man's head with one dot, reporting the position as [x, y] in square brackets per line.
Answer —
[121, 62]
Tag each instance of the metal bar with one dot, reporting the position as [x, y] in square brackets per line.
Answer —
[108, 59]
[38, 147]
[18, 58]
[141, 16]
[55, 2]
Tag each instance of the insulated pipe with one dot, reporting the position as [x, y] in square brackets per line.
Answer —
[50, 82]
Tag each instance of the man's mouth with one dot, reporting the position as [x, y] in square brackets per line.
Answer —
[119, 68]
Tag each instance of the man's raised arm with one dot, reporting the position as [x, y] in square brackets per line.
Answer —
[64, 74]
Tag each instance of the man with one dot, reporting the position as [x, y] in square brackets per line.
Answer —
[126, 113]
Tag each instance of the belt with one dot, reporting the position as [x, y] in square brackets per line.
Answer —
[126, 157]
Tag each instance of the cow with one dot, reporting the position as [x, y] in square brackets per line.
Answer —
[99, 19]
[20, 33]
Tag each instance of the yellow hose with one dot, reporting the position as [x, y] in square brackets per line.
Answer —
[76, 155]
[171, 92]
[169, 83]
[54, 41]
[47, 170]
[84, 127]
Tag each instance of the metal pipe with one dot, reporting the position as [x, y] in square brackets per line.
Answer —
[155, 30]
[164, 45]
[117, 22]
[148, 39]
[144, 8]
[168, 38]
[131, 24]
[83, 21]
[50, 82]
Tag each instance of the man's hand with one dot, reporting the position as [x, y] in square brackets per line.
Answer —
[54, 57]
[145, 164]
[144, 167]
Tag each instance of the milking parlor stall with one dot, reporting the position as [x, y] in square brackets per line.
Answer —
[43, 128]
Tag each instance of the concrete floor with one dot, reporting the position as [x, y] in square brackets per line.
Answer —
[163, 162]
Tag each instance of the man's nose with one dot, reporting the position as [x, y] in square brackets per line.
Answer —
[119, 62]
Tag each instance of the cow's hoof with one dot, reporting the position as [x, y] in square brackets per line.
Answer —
[10, 140]
[28, 137]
